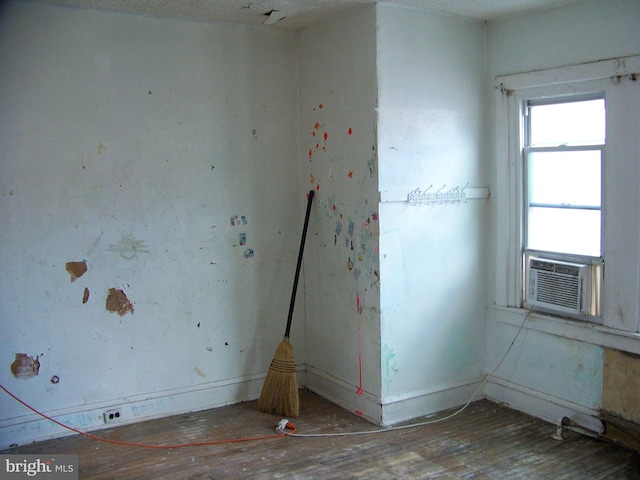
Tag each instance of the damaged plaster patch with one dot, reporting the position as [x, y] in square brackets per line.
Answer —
[25, 366]
[621, 384]
[76, 270]
[117, 301]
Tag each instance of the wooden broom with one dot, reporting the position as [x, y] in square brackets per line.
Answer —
[280, 390]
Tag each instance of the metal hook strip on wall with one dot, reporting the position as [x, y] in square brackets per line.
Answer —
[431, 195]
[455, 195]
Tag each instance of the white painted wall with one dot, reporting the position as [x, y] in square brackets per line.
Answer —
[338, 92]
[129, 143]
[555, 367]
[431, 111]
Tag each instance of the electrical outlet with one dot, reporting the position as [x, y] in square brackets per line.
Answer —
[111, 416]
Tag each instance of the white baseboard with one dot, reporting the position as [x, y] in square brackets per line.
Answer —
[541, 405]
[34, 428]
[365, 404]
[392, 410]
[419, 404]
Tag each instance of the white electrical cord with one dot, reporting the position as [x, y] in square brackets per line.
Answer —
[283, 423]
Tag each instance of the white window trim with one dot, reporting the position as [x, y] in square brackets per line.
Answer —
[575, 73]
[512, 90]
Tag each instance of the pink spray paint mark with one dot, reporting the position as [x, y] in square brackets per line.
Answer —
[359, 305]
[359, 390]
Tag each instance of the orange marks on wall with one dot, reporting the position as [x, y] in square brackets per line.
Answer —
[317, 127]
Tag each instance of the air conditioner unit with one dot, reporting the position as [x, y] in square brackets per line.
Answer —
[559, 286]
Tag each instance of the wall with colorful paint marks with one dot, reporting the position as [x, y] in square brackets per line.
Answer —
[150, 213]
[152, 181]
[338, 143]
[432, 281]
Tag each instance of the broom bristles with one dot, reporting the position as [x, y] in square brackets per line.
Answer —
[280, 390]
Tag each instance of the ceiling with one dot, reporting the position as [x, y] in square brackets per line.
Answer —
[295, 14]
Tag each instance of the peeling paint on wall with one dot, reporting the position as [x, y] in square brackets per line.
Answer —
[25, 366]
[76, 270]
[117, 301]
[85, 295]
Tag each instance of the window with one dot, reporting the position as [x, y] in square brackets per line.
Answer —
[562, 152]
[564, 143]
[566, 198]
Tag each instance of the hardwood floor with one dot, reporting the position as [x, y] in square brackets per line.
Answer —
[486, 441]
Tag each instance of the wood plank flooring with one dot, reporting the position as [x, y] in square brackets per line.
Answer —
[486, 441]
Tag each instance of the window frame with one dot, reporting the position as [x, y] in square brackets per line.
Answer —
[514, 105]
[596, 261]
[620, 308]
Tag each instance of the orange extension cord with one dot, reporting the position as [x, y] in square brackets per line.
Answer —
[289, 426]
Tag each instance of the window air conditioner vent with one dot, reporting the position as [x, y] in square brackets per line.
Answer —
[559, 286]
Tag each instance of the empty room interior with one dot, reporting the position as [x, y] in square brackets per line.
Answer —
[471, 172]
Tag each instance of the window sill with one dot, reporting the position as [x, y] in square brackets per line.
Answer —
[572, 329]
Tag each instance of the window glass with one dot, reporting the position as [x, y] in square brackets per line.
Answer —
[565, 178]
[568, 123]
[564, 231]
[563, 175]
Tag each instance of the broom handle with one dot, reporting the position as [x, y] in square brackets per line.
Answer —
[295, 280]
